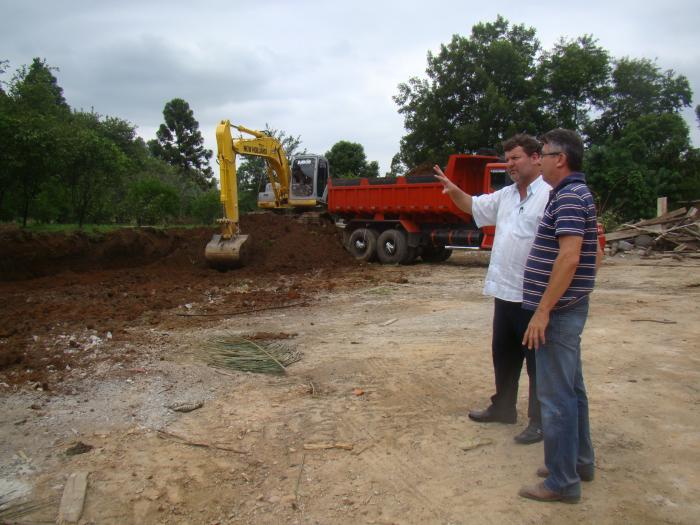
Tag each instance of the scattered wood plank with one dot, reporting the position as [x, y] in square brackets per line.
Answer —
[246, 311]
[662, 321]
[326, 446]
[185, 441]
[629, 233]
[667, 217]
[73, 498]
[476, 443]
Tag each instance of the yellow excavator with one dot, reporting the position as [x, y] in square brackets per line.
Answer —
[300, 186]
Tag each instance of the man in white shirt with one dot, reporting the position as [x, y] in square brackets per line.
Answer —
[516, 211]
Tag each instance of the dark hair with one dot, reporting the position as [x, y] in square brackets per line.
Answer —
[529, 144]
[569, 142]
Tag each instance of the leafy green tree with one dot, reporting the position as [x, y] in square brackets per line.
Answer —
[36, 89]
[347, 159]
[92, 163]
[7, 157]
[479, 90]
[180, 143]
[640, 143]
[151, 201]
[397, 166]
[371, 169]
[638, 87]
[32, 113]
[206, 207]
[646, 161]
[574, 76]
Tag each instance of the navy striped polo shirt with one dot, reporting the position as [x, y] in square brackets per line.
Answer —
[570, 211]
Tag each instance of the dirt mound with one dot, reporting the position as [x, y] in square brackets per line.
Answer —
[283, 244]
[279, 244]
[64, 295]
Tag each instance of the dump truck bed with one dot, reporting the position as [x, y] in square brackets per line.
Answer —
[418, 197]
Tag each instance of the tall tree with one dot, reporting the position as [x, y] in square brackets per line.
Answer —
[6, 139]
[179, 142]
[479, 90]
[640, 143]
[92, 164]
[397, 166]
[347, 159]
[574, 76]
[638, 87]
[33, 113]
[36, 89]
[647, 160]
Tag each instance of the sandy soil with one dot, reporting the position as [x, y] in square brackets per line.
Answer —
[393, 357]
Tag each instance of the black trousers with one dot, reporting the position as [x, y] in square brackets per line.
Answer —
[510, 321]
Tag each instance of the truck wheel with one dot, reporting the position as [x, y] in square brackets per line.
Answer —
[363, 244]
[392, 247]
[433, 254]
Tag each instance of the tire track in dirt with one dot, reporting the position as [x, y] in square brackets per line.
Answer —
[394, 424]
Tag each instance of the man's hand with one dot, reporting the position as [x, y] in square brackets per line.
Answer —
[447, 185]
[534, 335]
[449, 188]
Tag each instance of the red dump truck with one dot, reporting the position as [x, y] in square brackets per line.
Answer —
[398, 219]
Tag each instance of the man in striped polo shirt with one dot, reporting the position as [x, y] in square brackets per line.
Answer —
[559, 276]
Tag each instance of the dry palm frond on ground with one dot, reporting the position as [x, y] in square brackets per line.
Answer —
[251, 356]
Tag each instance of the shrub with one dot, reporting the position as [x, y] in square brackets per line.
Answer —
[151, 201]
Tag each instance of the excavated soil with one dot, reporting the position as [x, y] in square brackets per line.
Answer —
[63, 293]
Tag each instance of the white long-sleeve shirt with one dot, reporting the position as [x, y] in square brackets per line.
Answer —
[516, 224]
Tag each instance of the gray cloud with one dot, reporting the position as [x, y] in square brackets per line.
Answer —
[322, 70]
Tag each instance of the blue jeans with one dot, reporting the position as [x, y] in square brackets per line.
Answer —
[564, 404]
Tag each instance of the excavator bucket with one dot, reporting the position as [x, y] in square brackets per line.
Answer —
[224, 254]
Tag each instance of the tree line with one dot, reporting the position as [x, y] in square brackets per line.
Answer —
[63, 165]
[59, 165]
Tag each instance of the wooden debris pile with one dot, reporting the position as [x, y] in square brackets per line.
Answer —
[674, 234]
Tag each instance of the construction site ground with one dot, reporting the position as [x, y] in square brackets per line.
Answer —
[100, 338]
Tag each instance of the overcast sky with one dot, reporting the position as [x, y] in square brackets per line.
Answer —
[326, 71]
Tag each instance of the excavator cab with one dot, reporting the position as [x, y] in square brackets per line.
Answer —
[309, 177]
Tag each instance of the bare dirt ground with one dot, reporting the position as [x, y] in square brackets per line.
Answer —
[99, 337]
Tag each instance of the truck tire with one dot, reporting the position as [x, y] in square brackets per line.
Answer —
[434, 254]
[392, 247]
[362, 244]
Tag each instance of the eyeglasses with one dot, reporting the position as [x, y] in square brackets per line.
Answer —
[550, 154]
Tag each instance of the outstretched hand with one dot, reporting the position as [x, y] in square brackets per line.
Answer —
[447, 184]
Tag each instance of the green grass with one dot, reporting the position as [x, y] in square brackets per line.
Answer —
[72, 228]
[97, 229]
